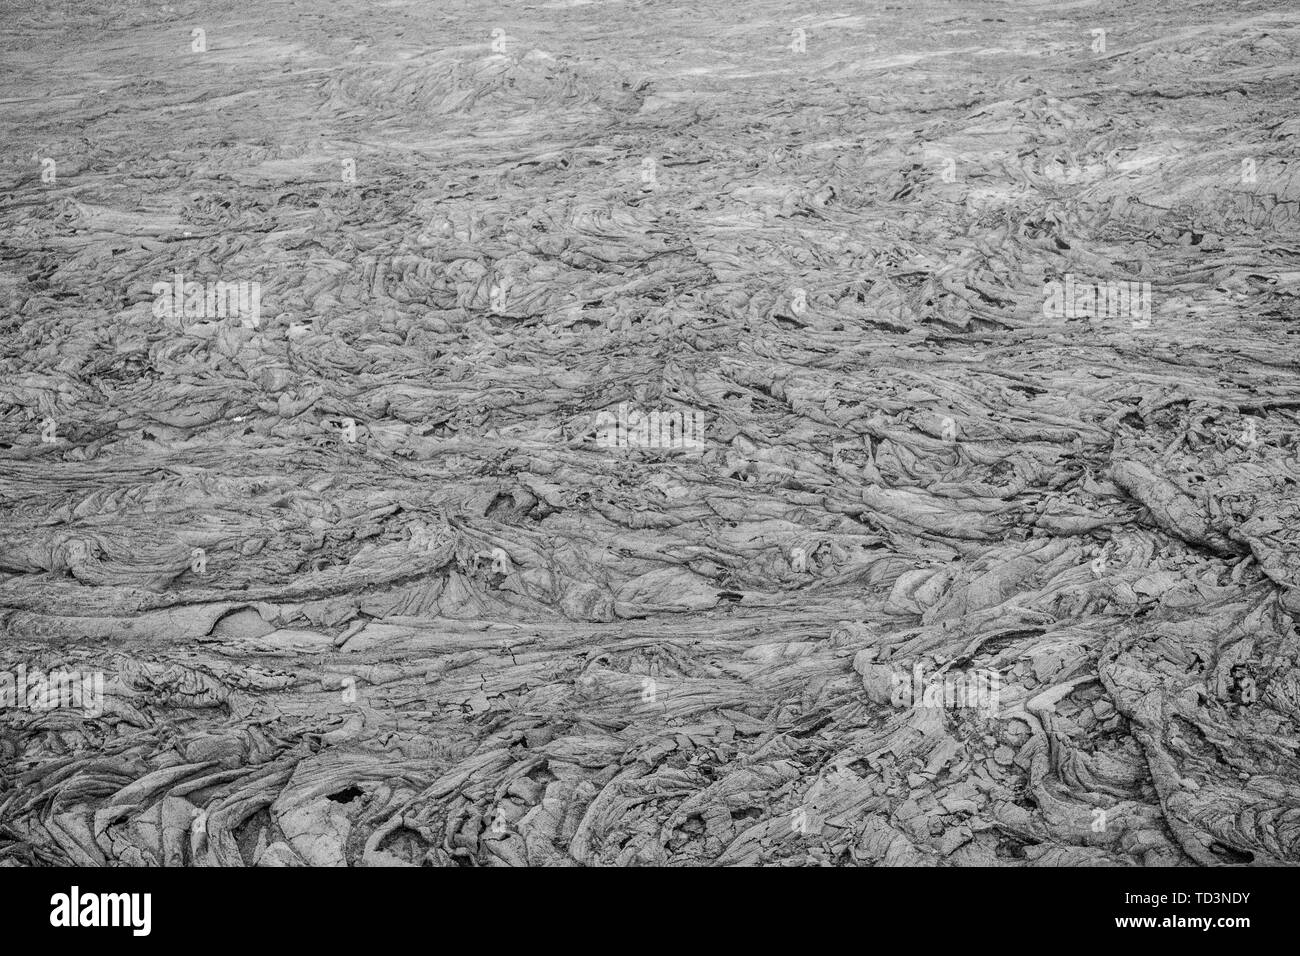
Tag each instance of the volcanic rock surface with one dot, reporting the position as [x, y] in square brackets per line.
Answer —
[366, 581]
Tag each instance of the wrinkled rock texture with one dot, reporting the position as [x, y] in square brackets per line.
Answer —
[364, 587]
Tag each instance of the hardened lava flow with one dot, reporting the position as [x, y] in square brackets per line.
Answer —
[608, 433]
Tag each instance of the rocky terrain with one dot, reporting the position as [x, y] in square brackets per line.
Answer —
[332, 332]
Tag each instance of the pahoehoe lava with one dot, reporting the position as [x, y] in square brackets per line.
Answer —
[352, 361]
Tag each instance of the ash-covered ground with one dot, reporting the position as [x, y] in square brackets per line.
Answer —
[636, 433]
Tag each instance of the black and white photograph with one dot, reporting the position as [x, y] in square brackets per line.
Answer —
[647, 435]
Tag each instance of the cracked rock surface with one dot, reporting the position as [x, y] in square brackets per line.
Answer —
[953, 578]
